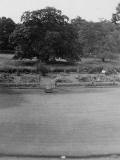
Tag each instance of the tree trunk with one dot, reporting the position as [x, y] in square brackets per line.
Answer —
[103, 59]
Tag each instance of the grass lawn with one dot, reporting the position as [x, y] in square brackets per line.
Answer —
[86, 122]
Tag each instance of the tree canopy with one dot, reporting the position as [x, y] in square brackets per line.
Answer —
[46, 34]
[7, 25]
[100, 39]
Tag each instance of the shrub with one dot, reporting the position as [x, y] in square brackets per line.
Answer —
[41, 68]
[71, 70]
[84, 79]
[57, 70]
[97, 69]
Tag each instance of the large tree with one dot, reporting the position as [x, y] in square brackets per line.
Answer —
[46, 34]
[98, 38]
[89, 34]
[116, 16]
[7, 25]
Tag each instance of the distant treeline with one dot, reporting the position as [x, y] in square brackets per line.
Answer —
[48, 34]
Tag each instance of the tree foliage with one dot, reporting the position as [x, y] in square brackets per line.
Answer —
[116, 16]
[100, 39]
[46, 34]
[7, 25]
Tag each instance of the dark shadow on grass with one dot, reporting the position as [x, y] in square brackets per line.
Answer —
[10, 98]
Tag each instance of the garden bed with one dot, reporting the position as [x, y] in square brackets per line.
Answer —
[63, 79]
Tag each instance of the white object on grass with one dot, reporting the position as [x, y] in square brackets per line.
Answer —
[103, 71]
[63, 157]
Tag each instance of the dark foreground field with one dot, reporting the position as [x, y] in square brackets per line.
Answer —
[84, 123]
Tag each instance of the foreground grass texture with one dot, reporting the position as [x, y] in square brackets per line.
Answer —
[82, 123]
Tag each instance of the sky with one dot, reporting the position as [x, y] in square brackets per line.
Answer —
[91, 10]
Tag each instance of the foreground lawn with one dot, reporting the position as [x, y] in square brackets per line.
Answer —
[86, 122]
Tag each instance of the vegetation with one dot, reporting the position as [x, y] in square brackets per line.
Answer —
[7, 26]
[48, 34]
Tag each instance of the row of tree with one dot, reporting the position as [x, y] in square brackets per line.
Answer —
[48, 34]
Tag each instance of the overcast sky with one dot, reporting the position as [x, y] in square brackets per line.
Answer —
[91, 10]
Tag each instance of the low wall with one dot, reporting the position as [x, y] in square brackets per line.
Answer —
[39, 86]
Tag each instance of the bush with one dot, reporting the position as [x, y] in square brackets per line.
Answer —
[57, 70]
[41, 68]
[63, 80]
[71, 70]
[84, 79]
[94, 70]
